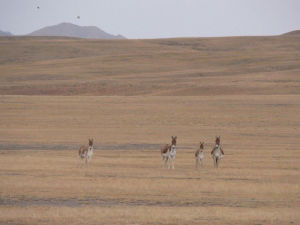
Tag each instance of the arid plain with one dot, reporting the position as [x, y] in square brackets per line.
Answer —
[131, 96]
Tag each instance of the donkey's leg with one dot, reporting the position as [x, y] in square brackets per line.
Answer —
[165, 165]
[167, 161]
[217, 162]
[196, 164]
[80, 161]
[170, 162]
[173, 163]
[86, 161]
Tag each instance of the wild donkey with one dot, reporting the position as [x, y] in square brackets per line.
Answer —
[86, 152]
[199, 155]
[217, 153]
[172, 156]
[167, 151]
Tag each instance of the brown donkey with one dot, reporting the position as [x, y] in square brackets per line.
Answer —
[199, 155]
[217, 153]
[165, 151]
[86, 152]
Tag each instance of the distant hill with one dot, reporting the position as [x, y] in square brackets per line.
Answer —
[2, 33]
[162, 67]
[295, 32]
[72, 30]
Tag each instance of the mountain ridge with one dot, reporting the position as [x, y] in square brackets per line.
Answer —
[72, 30]
[294, 32]
[5, 33]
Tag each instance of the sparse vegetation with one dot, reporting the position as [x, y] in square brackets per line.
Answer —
[167, 67]
[245, 89]
[257, 181]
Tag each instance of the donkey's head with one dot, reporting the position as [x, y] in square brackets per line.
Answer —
[91, 140]
[218, 140]
[174, 139]
[201, 145]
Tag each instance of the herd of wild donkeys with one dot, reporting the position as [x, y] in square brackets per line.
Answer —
[168, 153]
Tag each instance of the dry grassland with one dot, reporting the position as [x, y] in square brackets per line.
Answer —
[132, 96]
[169, 67]
[258, 182]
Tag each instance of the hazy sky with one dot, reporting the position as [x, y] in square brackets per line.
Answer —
[156, 18]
